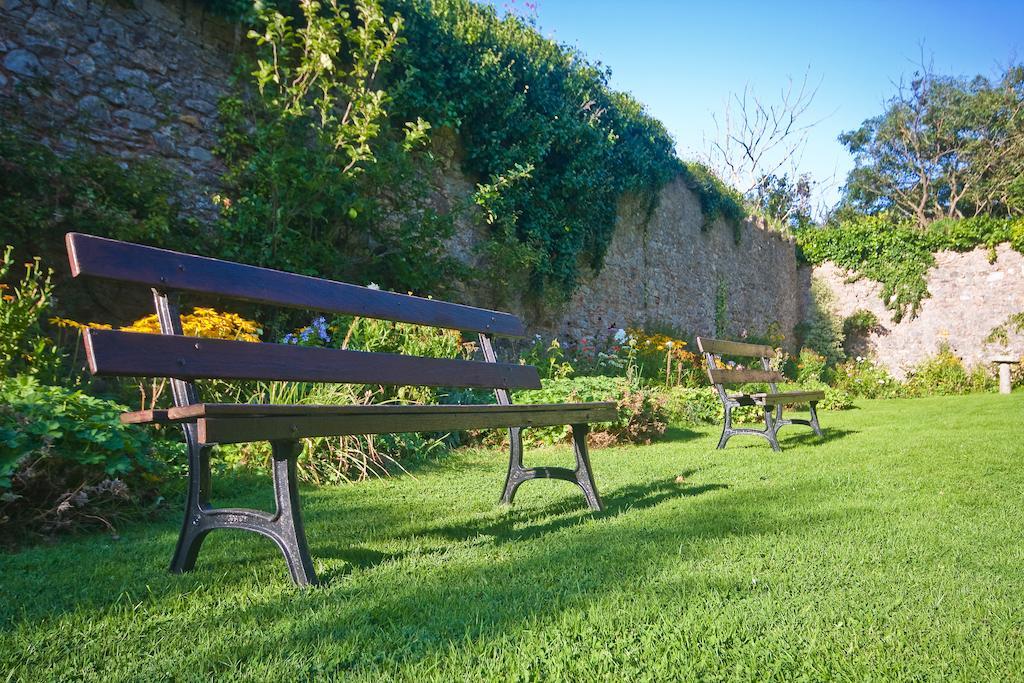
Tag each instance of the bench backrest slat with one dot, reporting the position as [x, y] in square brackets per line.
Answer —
[173, 271]
[713, 349]
[131, 354]
[720, 347]
[720, 376]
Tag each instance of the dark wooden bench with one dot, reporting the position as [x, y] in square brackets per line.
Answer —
[771, 401]
[184, 359]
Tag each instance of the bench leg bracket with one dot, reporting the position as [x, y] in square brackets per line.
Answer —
[582, 476]
[284, 526]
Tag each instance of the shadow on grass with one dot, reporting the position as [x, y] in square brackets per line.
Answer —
[788, 437]
[419, 605]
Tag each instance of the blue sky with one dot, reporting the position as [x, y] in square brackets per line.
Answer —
[682, 59]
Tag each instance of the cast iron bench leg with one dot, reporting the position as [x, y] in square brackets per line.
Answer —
[769, 432]
[812, 423]
[582, 476]
[284, 527]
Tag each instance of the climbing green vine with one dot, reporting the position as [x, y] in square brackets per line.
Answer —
[550, 145]
[899, 255]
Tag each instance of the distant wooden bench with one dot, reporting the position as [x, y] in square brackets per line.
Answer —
[184, 359]
[772, 401]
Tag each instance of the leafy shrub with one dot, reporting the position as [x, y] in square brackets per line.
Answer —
[821, 331]
[44, 195]
[693, 405]
[944, 374]
[810, 367]
[860, 323]
[24, 347]
[642, 416]
[863, 378]
[66, 460]
[313, 158]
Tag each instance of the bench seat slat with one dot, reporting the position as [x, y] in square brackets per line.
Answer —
[201, 410]
[174, 271]
[259, 425]
[132, 354]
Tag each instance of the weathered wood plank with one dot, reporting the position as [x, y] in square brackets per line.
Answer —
[200, 410]
[722, 347]
[260, 428]
[719, 376]
[130, 354]
[171, 270]
[787, 397]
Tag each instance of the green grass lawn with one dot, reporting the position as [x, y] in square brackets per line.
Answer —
[892, 549]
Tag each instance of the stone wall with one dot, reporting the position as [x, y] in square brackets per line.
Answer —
[139, 78]
[969, 296]
[666, 270]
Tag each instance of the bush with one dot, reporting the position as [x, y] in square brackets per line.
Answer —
[693, 406]
[944, 374]
[66, 460]
[43, 196]
[24, 348]
[863, 378]
[642, 415]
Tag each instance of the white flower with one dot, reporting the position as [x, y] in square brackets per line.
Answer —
[373, 285]
[860, 359]
[620, 335]
[668, 345]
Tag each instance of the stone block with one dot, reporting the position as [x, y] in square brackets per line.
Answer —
[134, 76]
[23, 63]
[135, 120]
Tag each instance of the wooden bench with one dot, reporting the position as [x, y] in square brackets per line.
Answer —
[772, 401]
[184, 359]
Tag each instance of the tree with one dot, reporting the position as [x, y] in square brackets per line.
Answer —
[944, 148]
[758, 146]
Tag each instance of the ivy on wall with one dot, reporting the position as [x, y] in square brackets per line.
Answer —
[898, 255]
[550, 145]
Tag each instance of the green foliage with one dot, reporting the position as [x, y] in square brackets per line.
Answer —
[642, 416]
[1000, 334]
[542, 130]
[944, 148]
[944, 374]
[313, 159]
[693, 406]
[549, 359]
[43, 196]
[821, 331]
[24, 347]
[860, 322]
[553, 149]
[864, 378]
[898, 255]
[717, 200]
[65, 457]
